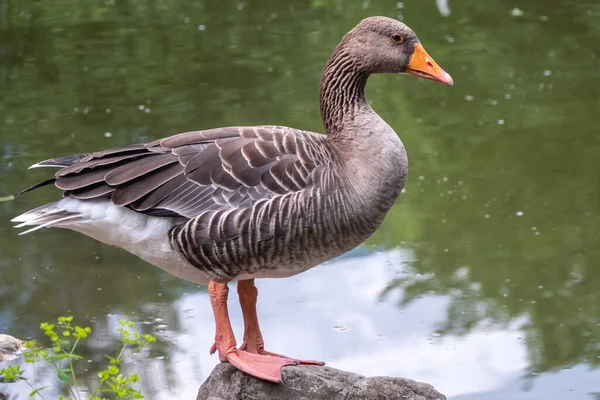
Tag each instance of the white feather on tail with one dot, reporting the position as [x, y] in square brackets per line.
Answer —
[143, 235]
[44, 216]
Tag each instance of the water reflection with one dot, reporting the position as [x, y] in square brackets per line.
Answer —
[487, 267]
[300, 314]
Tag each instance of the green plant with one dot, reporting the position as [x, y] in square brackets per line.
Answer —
[11, 374]
[61, 358]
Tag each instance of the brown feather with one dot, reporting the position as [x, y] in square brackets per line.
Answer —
[254, 156]
[154, 198]
[267, 149]
[199, 168]
[136, 189]
[77, 181]
[189, 149]
[266, 133]
[138, 168]
[132, 148]
[279, 172]
[289, 143]
[190, 200]
[114, 159]
[92, 192]
[197, 137]
[245, 174]
[231, 151]
[219, 177]
[268, 182]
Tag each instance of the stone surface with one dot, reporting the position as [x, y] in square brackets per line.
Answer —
[10, 347]
[314, 383]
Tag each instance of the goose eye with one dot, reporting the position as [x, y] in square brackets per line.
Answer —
[396, 37]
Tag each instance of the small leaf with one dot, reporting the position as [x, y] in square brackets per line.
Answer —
[62, 375]
[103, 375]
[149, 338]
[36, 391]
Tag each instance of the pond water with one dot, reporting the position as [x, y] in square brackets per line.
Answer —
[484, 280]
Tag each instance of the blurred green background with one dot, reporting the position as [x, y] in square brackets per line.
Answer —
[501, 213]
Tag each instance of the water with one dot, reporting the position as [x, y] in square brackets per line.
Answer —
[484, 278]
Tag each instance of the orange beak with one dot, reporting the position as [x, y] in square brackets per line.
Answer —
[423, 66]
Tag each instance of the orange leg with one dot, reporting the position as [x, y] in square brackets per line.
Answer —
[260, 366]
[253, 340]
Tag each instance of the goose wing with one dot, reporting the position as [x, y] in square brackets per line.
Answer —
[192, 172]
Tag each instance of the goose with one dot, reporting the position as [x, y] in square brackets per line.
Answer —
[238, 203]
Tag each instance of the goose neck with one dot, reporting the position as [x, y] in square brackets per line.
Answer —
[342, 92]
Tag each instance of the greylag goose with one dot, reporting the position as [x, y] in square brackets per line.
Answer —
[245, 202]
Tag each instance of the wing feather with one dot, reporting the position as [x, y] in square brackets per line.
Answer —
[193, 172]
[127, 193]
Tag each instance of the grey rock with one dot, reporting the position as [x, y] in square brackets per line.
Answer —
[10, 347]
[314, 383]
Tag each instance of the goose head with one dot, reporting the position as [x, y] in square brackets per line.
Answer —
[385, 45]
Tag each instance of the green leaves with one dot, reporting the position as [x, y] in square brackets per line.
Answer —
[118, 385]
[11, 374]
[37, 391]
[63, 374]
[64, 338]
[82, 333]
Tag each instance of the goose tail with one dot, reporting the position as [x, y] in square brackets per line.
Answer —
[45, 216]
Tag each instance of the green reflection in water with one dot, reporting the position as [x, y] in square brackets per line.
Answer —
[502, 206]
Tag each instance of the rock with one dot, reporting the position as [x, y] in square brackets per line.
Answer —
[312, 383]
[10, 347]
